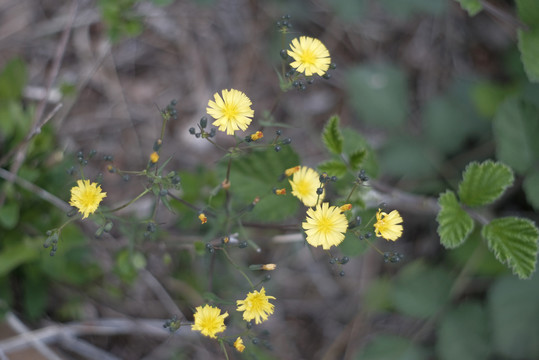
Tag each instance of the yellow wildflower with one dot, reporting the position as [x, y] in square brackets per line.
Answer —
[257, 135]
[238, 344]
[256, 306]
[310, 56]
[305, 184]
[325, 225]
[231, 111]
[388, 226]
[209, 320]
[154, 157]
[203, 218]
[86, 197]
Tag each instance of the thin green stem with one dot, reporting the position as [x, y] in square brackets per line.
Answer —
[222, 343]
[237, 267]
[130, 202]
[373, 246]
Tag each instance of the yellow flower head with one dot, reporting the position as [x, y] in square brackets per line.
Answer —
[203, 218]
[346, 207]
[291, 170]
[388, 225]
[238, 344]
[154, 157]
[231, 111]
[325, 225]
[269, 267]
[310, 56]
[257, 135]
[86, 197]
[305, 183]
[209, 320]
[256, 306]
[280, 191]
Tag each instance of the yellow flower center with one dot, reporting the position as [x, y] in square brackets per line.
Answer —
[325, 225]
[230, 111]
[308, 57]
[303, 187]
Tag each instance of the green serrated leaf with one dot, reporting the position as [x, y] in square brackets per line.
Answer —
[531, 188]
[463, 334]
[514, 242]
[355, 142]
[332, 136]
[513, 312]
[356, 158]
[482, 183]
[333, 167]
[454, 224]
[528, 44]
[471, 6]
[516, 130]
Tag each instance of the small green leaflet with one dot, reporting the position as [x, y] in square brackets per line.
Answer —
[471, 6]
[333, 168]
[514, 242]
[332, 136]
[454, 224]
[483, 183]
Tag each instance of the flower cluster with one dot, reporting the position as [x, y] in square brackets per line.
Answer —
[210, 321]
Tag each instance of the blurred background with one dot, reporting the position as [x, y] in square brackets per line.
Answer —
[420, 83]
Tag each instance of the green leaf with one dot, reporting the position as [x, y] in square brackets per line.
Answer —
[354, 142]
[378, 295]
[482, 183]
[421, 291]
[9, 214]
[409, 157]
[528, 44]
[528, 12]
[471, 6]
[379, 94]
[513, 311]
[13, 255]
[454, 224]
[450, 119]
[390, 347]
[255, 175]
[488, 96]
[516, 130]
[35, 290]
[463, 334]
[332, 136]
[514, 242]
[12, 80]
[348, 10]
[333, 167]
[356, 158]
[531, 188]
[352, 246]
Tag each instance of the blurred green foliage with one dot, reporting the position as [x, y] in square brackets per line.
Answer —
[24, 218]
